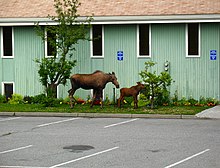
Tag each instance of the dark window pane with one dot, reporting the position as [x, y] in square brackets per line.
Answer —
[8, 90]
[97, 40]
[7, 41]
[51, 44]
[193, 39]
[143, 39]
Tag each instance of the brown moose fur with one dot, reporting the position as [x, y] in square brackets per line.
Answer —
[132, 91]
[96, 81]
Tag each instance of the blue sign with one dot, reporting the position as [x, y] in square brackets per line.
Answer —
[213, 54]
[120, 55]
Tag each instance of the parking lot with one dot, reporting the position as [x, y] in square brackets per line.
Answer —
[108, 142]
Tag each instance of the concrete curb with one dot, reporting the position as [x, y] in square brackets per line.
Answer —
[96, 115]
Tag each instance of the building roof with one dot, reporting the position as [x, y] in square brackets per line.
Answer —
[22, 9]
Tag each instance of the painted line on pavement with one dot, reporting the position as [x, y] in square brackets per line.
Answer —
[124, 122]
[84, 157]
[20, 167]
[56, 122]
[16, 149]
[188, 158]
[8, 119]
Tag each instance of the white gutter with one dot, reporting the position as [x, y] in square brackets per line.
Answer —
[117, 20]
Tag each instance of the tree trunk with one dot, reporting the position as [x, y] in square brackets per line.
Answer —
[52, 90]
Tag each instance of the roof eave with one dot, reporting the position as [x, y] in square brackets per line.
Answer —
[118, 20]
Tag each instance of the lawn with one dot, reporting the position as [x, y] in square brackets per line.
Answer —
[79, 108]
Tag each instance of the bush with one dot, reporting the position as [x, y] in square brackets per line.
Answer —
[28, 99]
[16, 99]
[51, 102]
[3, 99]
[39, 99]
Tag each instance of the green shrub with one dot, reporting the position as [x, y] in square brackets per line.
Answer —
[128, 100]
[39, 99]
[51, 102]
[16, 99]
[3, 99]
[28, 99]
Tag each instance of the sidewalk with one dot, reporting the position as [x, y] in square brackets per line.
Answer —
[212, 113]
[95, 115]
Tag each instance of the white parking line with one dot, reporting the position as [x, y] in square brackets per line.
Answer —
[8, 119]
[56, 122]
[188, 158]
[16, 149]
[84, 157]
[20, 167]
[124, 122]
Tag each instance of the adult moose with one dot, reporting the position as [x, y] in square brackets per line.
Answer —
[132, 91]
[96, 81]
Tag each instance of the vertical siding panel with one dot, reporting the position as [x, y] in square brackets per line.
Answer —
[83, 65]
[28, 47]
[168, 44]
[121, 38]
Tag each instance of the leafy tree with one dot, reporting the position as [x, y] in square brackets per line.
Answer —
[69, 30]
[156, 84]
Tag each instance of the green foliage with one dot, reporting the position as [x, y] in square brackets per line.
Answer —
[193, 102]
[39, 99]
[3, 99]
[68, 31]
[157, 84]
[28, 99]
[128, 100]
[16, 99]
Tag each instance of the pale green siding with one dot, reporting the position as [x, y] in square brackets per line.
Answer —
[192, 76]
[22, 69]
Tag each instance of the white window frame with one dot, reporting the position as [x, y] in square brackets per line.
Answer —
[199, 40]
[138, 44]
[103, 94]
[3, 86]
[2, 47]
[91, 44]
[45, 47]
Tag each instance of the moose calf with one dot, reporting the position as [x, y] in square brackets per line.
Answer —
[132, 91]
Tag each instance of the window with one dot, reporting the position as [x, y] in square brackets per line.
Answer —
[7, 89]
[50, 44]
[97, 37]
[193, 39]
[7, 42]
[143, 40]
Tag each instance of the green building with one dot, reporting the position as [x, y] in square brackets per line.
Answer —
[185, 35]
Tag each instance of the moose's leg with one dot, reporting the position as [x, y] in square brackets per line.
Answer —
[135, 102]
[101, 98]
[93, 97]
[71, 93]
[119, 101]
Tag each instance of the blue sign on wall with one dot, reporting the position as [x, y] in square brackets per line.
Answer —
[120, 55]
[213, 54]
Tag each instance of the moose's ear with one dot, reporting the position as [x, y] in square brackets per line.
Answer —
[138, 83]
[113, 73]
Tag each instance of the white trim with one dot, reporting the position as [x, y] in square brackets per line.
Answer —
[2, 49]
[91, 44]
[3, 86]
[199, 40]
[138, 51]
[45, 47]
[117, 20]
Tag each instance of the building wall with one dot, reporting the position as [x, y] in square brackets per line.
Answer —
[192, 76]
